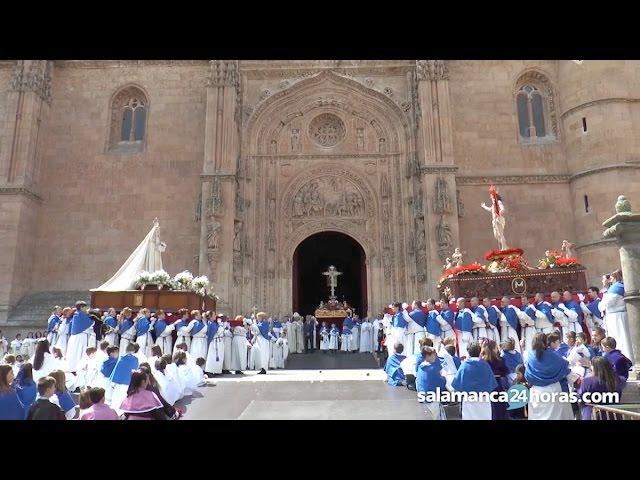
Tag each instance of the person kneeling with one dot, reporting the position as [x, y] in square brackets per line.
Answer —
[395, 374]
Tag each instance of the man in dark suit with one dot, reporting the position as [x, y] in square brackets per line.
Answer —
[43, 408]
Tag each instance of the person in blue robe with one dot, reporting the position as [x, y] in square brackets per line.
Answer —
[545, 307]
[512, 358]
[434, 330]
[593, 306]
[546, 372]
[395, 374]
[493, 328]
[110, 363]
[417, 331]
[475, 376]
[11, 408]
[557, 345]
[429, 380]
[464, 323]
[52, 325]
[26, 388]
[121, 374]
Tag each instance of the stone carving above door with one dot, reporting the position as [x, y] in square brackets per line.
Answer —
[328, 196]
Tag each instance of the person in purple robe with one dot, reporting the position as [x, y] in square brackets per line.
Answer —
[603, 380]
[621, 364]
[490, 354]
[141, 404]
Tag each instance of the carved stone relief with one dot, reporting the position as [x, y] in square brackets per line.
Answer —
[441, 201]
[328, 196]
[444, 237]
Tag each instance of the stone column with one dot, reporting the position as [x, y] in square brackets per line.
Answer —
[28, 100]
[435, 146]
[219, 180]
[624, 227]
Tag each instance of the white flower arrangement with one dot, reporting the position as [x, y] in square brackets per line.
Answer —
[183, 281]
[142, 278]
[200, 284]
[160, 277]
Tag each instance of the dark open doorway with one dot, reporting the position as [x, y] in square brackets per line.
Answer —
[313, 256]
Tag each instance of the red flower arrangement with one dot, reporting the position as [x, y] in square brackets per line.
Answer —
[497, 254]
[470, 268]
[566, 262]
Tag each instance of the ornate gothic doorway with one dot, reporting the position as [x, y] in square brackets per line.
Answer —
[312, 257]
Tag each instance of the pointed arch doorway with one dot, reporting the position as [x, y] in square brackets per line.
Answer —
[313, 256]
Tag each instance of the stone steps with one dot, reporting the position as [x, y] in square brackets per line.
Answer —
[34, 309]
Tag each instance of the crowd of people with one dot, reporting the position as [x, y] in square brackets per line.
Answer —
[566, 345]
[139, 366]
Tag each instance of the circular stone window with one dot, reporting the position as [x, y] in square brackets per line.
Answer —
[327, 130]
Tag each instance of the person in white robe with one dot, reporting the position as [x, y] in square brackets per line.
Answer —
[60, 335]
[262, 343]
[398, 327]
[216, 351]
[16, 344]
[42, 362]
[52, 325]
[616, 321]
[28, 346]
[272, 345]
[240, 346]
[199, 344]
[299, 325]
[183, 328]
[509, 320]
[111, 322]
[376, 326]
[279, 350]
[143, 331]
[4, 345]
[81, 330]
[415, 329]
[88, 374]
[334, 335]
[464, 323]
[562, 314]
[480, 319]
[168, 386]
[355, 334]
[345, 339]
[544, 315]
[366, 337]
[228, 342]
[127, 330]
[324, 337]
[171, 372]
[164, 333]
[186, 373]
[527, 317]
[579, 355]
[288, 328]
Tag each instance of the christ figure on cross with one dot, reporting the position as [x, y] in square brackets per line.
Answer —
[332, 279]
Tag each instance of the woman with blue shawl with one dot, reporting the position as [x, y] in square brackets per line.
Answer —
[546, 371]
[26, 388]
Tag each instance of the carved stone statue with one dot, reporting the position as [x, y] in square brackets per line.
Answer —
[237, 245]
[457, 257]
[448, 264]
[213, 233]
[295, 139]
[441, 199]
[567, 249]
[497, 214]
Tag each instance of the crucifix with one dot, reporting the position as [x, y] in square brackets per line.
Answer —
[332, 279]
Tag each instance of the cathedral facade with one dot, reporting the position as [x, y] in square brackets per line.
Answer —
[244, 161]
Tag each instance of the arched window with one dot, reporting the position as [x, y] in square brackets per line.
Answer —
[129, 110]
[535, 108]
